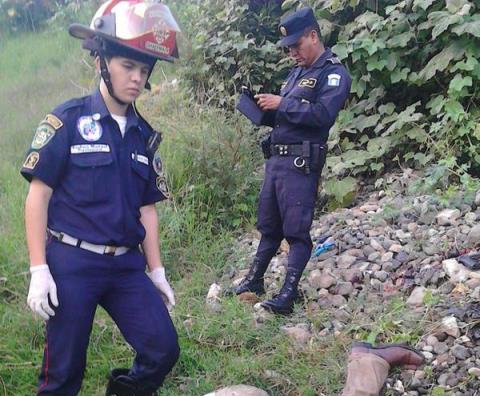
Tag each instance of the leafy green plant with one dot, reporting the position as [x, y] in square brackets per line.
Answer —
[414, 68]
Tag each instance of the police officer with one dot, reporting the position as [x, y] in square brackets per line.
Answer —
[94, 179]
[301, 116]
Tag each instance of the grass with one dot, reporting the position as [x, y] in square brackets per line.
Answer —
[212, 163]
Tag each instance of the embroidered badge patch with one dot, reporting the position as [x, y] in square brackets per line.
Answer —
[308, 82]
[32, 160]
[89, 129]
[157, 164]
[89, 148]
[334, 80]
[162, 186]
[54, 121]
[43, 135]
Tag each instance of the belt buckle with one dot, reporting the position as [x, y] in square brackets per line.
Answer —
[282, 149]
[109, 250]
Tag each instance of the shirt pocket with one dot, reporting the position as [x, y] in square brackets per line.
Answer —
[305, 95]
[91, 177]
[141, 172]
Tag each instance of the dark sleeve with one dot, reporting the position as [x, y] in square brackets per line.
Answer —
[329, 100]
[48, 154]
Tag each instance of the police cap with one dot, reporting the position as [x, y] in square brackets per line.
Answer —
[293, 26]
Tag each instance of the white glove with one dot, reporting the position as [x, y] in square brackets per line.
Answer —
[158, 278]
[41, 286]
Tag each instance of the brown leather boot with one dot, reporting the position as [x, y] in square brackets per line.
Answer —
[393, 354]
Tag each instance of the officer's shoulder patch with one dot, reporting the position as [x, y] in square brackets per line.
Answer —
[43, 135]
[334, 60]
[157, 164]
[161, 183]
[53, 120]
[334, 80]
[32, 160]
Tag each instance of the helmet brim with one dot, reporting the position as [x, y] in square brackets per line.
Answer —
[83, 32]
[80, 31]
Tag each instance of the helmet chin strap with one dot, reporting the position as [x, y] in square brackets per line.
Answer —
[106, 79]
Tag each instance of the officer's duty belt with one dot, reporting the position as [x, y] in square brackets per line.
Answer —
[99, 249]
[292, 149]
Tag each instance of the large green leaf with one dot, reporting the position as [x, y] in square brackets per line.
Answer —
[472, 27]
[442, 60]
[423, 4]
[379, 146]
[459, 82]
[362, 121]
[441, 20]
[340, 188]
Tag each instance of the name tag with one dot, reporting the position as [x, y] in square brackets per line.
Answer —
[89, 148]
[140, 158]
[308, 82]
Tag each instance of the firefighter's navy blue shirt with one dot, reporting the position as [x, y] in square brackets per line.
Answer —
[99, 179]
[311, 100]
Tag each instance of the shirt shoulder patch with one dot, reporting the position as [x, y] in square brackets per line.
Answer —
[43, 135]
[334, 80]
[32, 160]
[54, 121]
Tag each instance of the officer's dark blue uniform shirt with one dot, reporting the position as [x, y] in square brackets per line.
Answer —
[311, 101]
[99, 179]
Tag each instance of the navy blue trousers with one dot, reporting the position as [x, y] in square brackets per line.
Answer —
[285, 210]
[119, 285]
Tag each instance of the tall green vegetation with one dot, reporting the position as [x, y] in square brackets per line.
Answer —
[414, 65]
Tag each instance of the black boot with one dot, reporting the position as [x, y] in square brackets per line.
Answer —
[282, 303]
[253, 282]
[120, 384]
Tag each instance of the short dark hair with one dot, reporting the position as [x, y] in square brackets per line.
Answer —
[314, 27]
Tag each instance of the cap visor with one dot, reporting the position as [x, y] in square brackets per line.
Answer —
[289, 40]
[80, 31]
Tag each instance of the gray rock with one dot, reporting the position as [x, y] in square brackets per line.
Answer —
[320, 280]
[374, 256]
[239, 390]
[460, 352]
[416, 297]
[474, 236]
[343, 288]
[345, 261]
[376, 245]
[457, 272]
[440, 348]
[386, 257]
[474, 371]
[299, 334]
[352, 275]
[448, 217]
[395, 248]
[381, 275]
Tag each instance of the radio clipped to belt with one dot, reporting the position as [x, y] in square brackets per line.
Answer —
[303, 161]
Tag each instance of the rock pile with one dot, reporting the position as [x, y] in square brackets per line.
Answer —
[394, 257]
